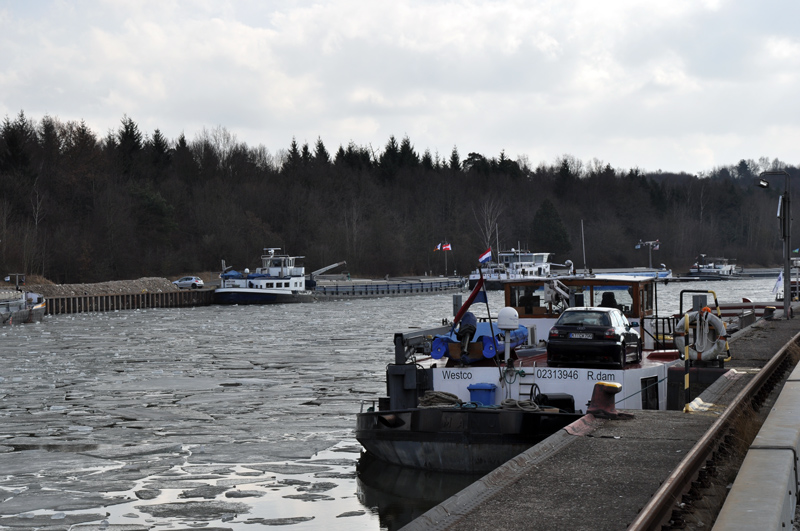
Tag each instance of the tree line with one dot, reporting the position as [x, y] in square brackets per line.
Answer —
[77, 207]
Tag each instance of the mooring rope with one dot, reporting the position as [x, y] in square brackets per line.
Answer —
[524, 405]
[439, 399]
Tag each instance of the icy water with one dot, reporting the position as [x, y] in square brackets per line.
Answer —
[228, 417]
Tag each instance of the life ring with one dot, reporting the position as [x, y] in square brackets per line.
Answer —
[710, 344]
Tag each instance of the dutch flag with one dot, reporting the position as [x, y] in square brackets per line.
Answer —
[485, 257]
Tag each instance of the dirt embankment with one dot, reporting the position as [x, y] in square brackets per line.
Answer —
[148, 284]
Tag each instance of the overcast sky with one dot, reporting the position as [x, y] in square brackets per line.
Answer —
[676, 85]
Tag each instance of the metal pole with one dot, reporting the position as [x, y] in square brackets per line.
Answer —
[786, 230]
[787, 259]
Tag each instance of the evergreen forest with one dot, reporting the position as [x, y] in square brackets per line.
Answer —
[77, 207]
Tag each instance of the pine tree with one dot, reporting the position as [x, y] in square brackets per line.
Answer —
[548, 233]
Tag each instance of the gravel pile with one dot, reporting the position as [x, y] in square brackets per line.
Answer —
[114, 287]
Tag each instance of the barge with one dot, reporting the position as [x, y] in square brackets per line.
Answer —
[280, 279]
[504, 396]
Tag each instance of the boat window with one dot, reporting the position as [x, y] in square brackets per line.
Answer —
[608, 296]
[650, 392]
[584, 319]
[529, 299]
[647, 297]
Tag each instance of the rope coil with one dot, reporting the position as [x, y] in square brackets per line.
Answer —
[433, 399]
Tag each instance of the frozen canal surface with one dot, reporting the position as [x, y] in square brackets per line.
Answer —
[213, 418]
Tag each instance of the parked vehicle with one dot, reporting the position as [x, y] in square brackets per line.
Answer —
[596, 336]
[189, 282]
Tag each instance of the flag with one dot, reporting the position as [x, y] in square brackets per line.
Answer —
[486, 256]
[655, 247]
[438, 248]
[480, 297]
[446, 247]
[778, 283]
[476, 296]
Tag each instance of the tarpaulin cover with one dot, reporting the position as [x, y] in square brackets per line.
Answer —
[440, 346]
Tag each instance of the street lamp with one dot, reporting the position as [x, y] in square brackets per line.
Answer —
[785, 214]
[652, 246]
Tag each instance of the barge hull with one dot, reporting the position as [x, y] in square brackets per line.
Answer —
[250, 296]
[473, 440]
[29, 315]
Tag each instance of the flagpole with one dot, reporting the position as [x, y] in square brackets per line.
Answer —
[489, 314]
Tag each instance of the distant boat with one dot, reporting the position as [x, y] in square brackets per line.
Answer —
[516, 264]
[714, 267]
[18, 307]
[279, 280]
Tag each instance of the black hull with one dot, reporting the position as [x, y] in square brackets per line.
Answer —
[489, 285]
[249, 296]
[455, 440]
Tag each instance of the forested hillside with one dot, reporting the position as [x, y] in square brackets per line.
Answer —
[77, 207]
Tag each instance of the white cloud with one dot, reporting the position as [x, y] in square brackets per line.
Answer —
[678, 85]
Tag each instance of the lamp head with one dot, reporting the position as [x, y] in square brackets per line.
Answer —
[763, 183]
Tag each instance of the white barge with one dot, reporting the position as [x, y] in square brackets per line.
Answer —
[504, 396]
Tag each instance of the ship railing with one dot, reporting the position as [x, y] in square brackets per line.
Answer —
[659, 330]
[370, 402]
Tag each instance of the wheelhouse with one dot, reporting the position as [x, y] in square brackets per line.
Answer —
[548, 298]
[539, 302]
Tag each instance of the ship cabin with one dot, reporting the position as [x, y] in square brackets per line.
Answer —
[539, 302]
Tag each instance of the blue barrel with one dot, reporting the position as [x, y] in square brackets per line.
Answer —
[482, 393]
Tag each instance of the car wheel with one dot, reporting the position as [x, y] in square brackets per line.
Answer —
[639, 351]
[622, 356]
[194, 286]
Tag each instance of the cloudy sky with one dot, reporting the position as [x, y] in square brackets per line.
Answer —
[677, 85]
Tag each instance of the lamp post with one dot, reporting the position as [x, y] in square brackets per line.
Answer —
[785, 213]
[651, 245]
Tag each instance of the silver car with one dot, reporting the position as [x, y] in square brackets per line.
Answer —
[189, 282]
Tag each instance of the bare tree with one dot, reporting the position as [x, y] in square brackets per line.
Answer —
[486, 216]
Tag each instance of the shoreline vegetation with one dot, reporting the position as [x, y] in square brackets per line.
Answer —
[78, 208]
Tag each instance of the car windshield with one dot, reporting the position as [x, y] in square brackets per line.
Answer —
[584, 318]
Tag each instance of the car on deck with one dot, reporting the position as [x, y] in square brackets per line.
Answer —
[593, 336]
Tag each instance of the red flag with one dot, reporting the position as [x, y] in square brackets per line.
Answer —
[470, 300]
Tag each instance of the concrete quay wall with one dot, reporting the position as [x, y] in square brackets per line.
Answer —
[764, 495]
